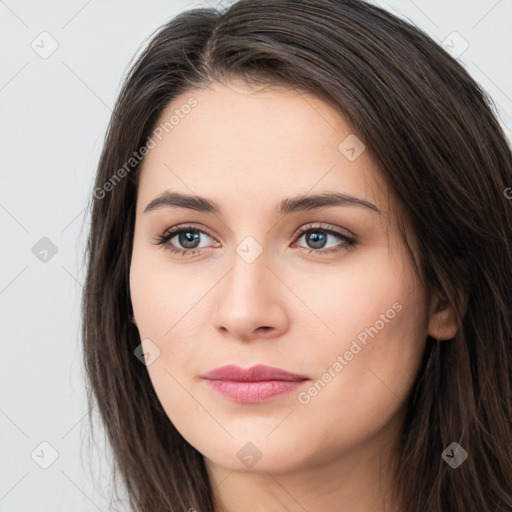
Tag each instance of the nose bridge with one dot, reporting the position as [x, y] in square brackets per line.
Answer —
[249, 276]
[249, 297]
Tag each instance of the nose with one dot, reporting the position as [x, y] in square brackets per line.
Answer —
[251, 301]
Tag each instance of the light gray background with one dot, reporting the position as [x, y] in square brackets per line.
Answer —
[54, 113]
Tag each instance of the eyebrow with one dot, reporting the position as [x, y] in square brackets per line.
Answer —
[287, 206]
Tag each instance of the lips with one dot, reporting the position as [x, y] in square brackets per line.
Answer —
[256, 373]
[252, 385]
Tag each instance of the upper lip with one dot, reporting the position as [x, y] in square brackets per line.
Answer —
[257, 373]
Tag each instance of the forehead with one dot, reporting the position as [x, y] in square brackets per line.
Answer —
[256, 141]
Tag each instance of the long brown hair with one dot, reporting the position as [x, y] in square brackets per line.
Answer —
[432, 131]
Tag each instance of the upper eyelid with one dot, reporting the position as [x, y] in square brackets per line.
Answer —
[326, 227]
[184, 227]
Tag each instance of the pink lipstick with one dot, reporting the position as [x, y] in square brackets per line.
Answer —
[252, 385]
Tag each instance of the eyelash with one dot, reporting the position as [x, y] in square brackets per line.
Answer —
[170, 234]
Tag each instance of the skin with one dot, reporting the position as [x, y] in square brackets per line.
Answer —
[248, 148]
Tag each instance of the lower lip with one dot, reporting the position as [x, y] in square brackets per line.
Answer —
[254, 392]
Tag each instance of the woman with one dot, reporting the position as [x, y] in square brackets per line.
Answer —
[299, 286]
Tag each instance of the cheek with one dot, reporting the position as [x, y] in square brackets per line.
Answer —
[346, 302]
[156, 293]
[160, 310]
[368, 358]
[169, 309]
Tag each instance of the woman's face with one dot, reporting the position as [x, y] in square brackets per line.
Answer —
[350, 318]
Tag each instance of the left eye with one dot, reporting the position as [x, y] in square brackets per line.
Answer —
[189, 237]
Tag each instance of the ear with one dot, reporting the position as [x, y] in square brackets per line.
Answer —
[443, 324]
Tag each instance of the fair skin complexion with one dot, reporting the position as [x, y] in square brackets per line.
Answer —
[248, 148]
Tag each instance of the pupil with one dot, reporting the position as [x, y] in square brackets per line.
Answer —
[314, 239]
[189, 237]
